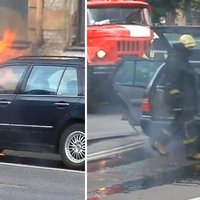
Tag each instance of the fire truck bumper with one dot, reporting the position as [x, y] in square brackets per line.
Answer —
[99, 70]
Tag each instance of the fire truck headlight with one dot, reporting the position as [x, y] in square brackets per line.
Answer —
[101, 53]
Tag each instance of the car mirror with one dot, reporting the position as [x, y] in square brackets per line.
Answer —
[162, 20]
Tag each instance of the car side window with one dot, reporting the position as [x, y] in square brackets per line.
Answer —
[136, 72]
[144, 71]
[69, 83]
[125, 73]
[44, 80]
[10, 78]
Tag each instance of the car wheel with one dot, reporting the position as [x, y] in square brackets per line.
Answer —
[72, 146]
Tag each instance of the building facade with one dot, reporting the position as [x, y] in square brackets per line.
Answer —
[50, 26]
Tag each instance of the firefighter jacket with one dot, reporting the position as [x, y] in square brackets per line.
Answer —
[180, 84]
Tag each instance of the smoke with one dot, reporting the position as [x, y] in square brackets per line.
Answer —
[15, 17]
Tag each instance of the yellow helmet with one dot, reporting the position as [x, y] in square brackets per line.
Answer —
[187, 40]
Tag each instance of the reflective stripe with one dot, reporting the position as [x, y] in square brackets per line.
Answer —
[152, 53]
[177, 109]
[190, 140]
[166, 133]
[174, 91]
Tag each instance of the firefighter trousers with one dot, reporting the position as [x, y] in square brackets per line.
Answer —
[182, 125]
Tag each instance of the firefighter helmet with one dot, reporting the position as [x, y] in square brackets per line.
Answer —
[188, 41]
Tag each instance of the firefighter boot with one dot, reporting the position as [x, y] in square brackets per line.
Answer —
[195, 156]
[190, 140]
[159, 148]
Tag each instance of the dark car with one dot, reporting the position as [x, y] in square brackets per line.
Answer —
[129, 81]
[42, 106]
[133, 74]
[155, 112]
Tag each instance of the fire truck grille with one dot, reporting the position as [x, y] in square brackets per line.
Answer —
[134, 47]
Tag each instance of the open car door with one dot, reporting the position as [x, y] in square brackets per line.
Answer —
[129, 81]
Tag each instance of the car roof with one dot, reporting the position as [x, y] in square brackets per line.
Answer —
[64, 60]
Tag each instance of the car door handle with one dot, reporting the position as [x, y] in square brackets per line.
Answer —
[5, 102]
[62, 104]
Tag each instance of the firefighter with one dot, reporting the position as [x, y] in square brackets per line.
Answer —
[157, 50]
[181, 97]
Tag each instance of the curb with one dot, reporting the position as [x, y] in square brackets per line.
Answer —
[99, 139]
[120, 149]
[110, 136]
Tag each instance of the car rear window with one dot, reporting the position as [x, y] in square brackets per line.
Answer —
[69, 83]
[10, 78]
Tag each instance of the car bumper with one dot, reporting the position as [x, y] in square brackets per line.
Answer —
[152, 127]
[98, 72]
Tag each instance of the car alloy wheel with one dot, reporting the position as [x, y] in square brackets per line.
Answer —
[75, 147]
[72, 146]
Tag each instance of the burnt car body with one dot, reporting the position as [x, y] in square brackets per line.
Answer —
[134, 74]
[42, 106]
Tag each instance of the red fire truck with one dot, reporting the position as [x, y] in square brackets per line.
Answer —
[115, 28]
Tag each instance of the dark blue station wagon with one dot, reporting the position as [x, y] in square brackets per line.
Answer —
[42, 106]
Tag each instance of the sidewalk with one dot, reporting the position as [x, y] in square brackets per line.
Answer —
[108, 135]
[110, 125]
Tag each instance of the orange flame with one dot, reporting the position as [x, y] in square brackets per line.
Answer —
[6, 51]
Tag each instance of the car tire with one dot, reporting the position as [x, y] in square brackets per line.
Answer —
[72, 146]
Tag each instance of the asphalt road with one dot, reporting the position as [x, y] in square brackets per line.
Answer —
[108, 134]
[166, 192]
[28, 182]
[30, 176]
[142, 174]
[138, 173]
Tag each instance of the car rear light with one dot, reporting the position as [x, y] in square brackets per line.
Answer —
[145, 105]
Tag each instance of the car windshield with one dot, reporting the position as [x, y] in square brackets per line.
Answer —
[118, 15]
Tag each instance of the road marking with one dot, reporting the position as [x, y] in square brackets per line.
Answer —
[198, 198]
[117, 150]
[38, 167]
